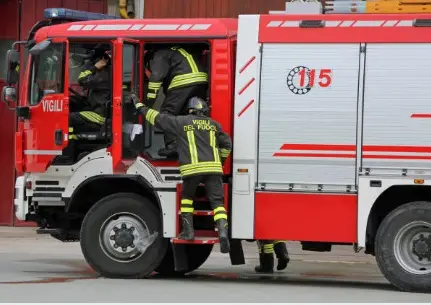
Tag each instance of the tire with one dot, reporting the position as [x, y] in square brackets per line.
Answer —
[396, 233]
[96, 242]
[196, 257]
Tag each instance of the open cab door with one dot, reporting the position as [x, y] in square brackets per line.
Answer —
[125, 120]
[44, 110]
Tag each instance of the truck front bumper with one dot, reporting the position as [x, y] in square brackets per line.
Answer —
[20, 201]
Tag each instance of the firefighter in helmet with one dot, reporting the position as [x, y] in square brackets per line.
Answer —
[96, 78]
[266, 255]
[202, 148]
[181, 76]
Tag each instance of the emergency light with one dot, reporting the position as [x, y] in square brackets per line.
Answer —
[73, 15]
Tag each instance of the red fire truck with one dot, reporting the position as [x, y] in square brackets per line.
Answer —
[330, 121]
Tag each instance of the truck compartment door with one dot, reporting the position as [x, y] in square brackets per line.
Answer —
[308, 115]
[397, 110]
[45, 132]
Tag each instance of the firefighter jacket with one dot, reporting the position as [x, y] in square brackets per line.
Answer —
[173, 68]
[98, 82]
[202, 144]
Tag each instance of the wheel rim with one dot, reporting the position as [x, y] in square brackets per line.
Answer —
[122, 235]
[412, 247]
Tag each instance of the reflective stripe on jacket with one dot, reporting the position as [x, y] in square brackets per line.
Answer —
[174, 68]
[98, 82]
[202, 144]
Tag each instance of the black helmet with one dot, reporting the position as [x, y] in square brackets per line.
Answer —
[197, 105]
[102, 51]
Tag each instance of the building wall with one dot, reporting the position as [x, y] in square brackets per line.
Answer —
[15, 24]
[208, 8]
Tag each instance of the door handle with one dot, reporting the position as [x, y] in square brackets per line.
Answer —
[58, 137]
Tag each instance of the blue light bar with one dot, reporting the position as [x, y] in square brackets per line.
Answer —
[73, 15]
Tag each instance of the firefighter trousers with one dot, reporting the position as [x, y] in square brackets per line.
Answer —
[214, 190]
[266, 249]
[84, 121]
[175, 103]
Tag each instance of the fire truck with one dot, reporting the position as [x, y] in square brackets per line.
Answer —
[330, 119]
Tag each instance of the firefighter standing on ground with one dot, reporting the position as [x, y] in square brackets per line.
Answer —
[181, 76]
[266, 255]
[202, 149]
[96, 79]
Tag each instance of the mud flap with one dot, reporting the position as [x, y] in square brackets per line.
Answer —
[180, 257]
[236, 252]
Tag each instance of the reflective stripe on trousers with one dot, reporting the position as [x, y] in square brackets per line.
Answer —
[92, 117]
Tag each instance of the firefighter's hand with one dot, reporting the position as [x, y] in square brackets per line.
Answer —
[136, 101]
[100, 64]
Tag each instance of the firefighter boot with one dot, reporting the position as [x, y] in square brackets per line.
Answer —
[187, 232]
[223, 235]
[280, 250]
[266, 261]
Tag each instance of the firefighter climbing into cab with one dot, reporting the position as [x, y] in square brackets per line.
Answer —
[181, 76]
[90, 113]
[202, 148]
[266, 255]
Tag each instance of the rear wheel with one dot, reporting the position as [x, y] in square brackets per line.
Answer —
[403, 247]
[121, 236]
[196, 257]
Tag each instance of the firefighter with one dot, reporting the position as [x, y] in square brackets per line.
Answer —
[180, 76]
[97, 80]
[203, 147]
[266, 255]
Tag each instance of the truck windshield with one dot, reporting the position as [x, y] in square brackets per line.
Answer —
[47, 73]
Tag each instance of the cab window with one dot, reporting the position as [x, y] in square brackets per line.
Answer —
[47, 73]
[132, 138]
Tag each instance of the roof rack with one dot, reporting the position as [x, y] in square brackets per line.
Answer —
[301, 7]
[377, 6]
[304, 7]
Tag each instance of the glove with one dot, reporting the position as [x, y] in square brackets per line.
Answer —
[136, 101]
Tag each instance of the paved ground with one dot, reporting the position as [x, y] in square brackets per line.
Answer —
[41, 269]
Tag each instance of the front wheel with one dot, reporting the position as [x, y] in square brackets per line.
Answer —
[403, 247]
[122, 237]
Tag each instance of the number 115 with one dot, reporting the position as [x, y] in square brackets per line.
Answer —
[324, 79]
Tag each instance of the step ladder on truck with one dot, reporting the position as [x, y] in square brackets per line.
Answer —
[330, 124]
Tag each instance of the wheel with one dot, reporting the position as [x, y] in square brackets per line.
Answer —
[403, 247]
[121, 236]
[196, 257]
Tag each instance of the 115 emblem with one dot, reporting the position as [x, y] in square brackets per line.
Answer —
[300, 80]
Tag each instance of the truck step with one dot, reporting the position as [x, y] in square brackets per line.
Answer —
[201, 213]
[197, 241]
[46, 231]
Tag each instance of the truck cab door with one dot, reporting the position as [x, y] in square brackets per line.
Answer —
[127, 80]
[44, 110]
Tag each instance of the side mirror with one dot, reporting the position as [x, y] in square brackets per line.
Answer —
[40, 47]
[8, 96]
[12, 67]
